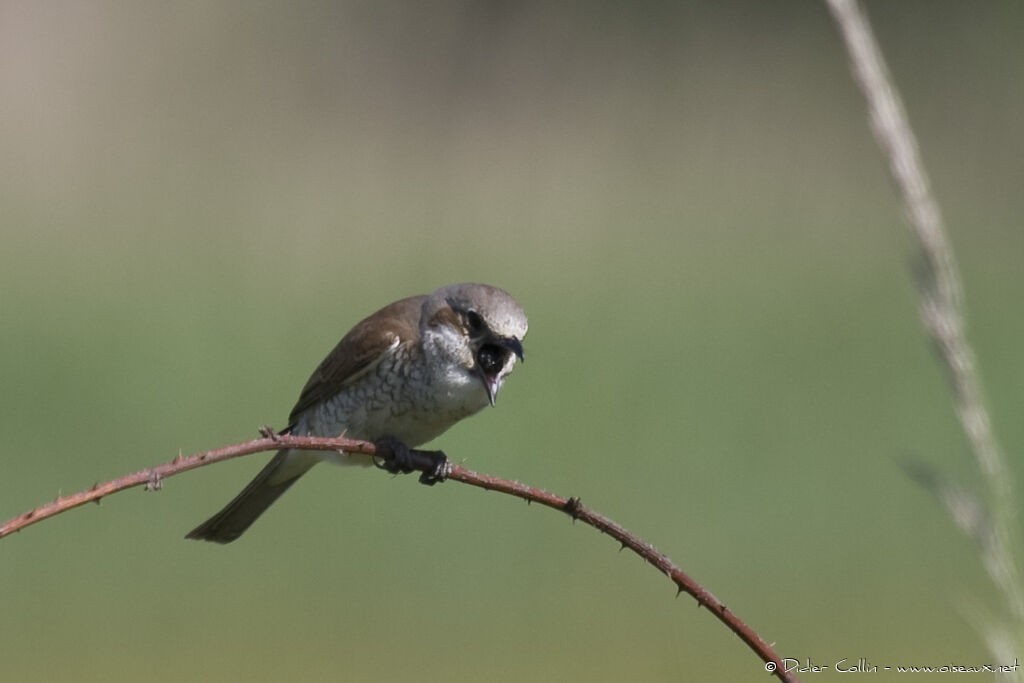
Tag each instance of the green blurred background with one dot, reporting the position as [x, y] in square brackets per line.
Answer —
[199, 199]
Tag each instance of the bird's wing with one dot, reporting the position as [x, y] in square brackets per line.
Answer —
[360, 350]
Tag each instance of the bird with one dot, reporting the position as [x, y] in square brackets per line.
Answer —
[402, 377]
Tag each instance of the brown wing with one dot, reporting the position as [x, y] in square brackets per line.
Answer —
[359, 350]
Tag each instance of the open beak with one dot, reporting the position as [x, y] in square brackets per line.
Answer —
[513, 345]
[491, 385]
[493, 381]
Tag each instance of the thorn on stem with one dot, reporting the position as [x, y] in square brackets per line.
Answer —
[572, 507]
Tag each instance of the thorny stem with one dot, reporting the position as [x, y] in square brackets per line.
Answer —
[424, 462]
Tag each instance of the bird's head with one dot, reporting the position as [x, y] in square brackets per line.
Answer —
[482, 328]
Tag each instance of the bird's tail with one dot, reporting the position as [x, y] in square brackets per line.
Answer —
[273, 480]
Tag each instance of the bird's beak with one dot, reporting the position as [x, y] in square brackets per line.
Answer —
[492, 389]
[491, 384]
[513, 345]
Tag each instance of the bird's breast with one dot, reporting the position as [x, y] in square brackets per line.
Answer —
[402, 397]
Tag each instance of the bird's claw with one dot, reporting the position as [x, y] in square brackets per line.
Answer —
[395, 457]
[440, 468]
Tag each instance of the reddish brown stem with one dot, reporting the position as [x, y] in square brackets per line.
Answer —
[152, 478]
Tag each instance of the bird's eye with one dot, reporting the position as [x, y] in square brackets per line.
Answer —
[475, 322]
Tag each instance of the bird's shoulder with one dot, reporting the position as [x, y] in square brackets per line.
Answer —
[361, 350]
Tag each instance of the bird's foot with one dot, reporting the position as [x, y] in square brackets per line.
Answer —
[395, 457]
[440, 468]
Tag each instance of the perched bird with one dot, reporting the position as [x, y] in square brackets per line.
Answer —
[403, 375]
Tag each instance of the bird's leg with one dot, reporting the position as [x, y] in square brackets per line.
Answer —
[395, 457]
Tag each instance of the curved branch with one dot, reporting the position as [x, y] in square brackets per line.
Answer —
[152, 479]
